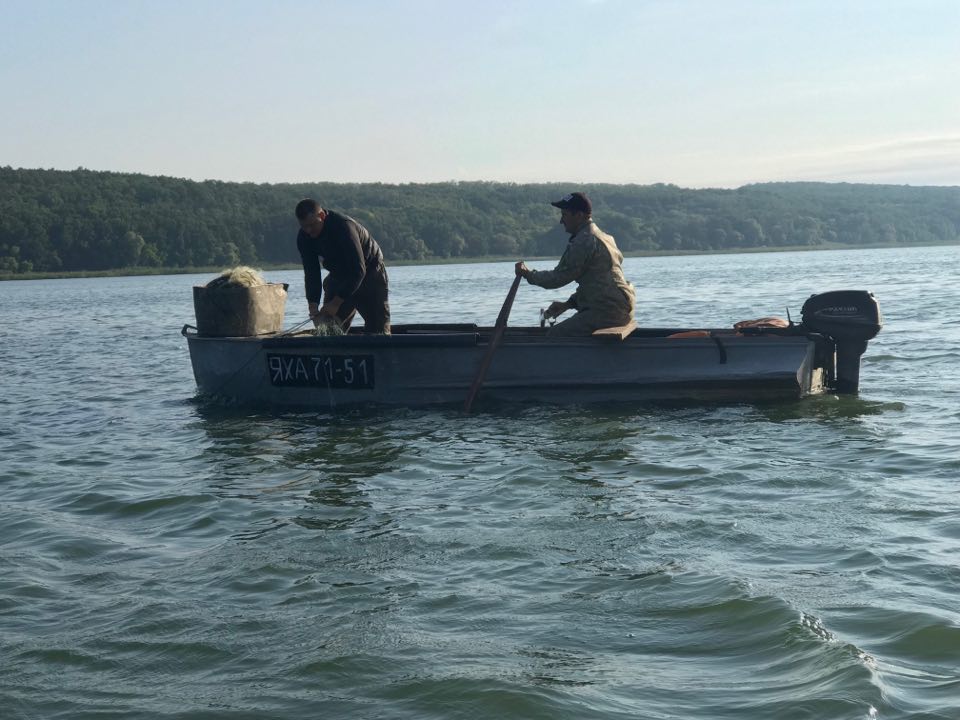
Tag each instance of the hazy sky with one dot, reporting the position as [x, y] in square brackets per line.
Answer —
[692, 92]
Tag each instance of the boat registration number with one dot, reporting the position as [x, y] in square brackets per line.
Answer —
[350, 372]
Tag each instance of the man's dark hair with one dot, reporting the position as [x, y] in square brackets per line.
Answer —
[306, 208]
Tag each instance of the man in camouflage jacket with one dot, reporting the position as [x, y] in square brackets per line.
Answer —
[603, 297]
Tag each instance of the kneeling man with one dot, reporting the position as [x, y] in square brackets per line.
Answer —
[603, 297]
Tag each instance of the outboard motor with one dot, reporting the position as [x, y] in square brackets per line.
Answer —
[850, 318]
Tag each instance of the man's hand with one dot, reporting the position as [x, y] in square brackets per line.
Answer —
[556, 309]
[522, 270]
[326, 312]
[314, 310]
[331, 307]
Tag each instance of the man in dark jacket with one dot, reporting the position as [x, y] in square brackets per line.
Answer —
[356, 277]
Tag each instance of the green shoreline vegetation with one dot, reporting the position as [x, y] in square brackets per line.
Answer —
[216, 269]
[83, 223]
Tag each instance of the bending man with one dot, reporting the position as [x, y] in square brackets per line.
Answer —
[356, 276]
[603, 297]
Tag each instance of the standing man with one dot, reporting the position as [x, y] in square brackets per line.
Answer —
[603, 297]
[356, 276]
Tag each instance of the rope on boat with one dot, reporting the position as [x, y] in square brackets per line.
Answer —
[721, 348]
[290, 331]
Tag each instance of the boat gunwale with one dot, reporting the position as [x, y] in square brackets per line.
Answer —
[471, 335]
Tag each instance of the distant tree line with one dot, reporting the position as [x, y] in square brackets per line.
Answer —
[83, 220]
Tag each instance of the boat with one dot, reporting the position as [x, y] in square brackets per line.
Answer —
[435, 364]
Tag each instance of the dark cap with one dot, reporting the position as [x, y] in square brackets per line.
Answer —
[577, 202]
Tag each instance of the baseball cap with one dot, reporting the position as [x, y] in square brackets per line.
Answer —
[577, 202]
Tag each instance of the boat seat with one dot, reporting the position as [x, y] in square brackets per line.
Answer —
[620, 332]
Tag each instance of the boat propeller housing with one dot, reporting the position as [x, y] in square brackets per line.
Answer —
[850, 318]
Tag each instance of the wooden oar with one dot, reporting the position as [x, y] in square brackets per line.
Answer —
[494, 342]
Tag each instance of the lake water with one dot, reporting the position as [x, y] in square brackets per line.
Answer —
[165, 558]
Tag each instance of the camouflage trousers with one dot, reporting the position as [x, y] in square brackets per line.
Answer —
[586, 321]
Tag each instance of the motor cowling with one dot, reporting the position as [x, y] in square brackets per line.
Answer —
[843, 314]
[850, 318]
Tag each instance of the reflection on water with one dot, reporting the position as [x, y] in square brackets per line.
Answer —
[344, 446]
[829, 407]
[318, 461]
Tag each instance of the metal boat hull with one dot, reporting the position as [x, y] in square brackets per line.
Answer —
[425, 365]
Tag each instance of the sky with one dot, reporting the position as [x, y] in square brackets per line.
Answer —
[696, 93]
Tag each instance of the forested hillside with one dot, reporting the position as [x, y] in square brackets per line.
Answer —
[53, 221]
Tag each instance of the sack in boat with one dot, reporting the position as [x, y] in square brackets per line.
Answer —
[760, 323]
[239, 303]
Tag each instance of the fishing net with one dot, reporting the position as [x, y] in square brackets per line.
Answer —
[240, 276]
[328, 329]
